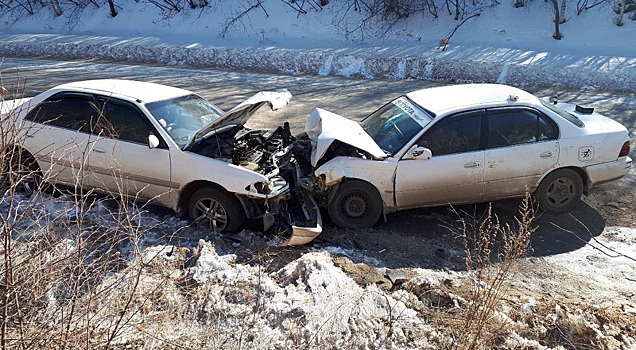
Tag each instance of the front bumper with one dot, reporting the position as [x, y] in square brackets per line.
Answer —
[610, 171]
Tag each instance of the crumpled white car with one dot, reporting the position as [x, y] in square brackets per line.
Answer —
[161, 144]
[459, 144]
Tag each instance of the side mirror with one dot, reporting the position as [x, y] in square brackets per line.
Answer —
[153, 141]
[417, 152]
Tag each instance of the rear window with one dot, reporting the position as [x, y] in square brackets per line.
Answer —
[565, 115]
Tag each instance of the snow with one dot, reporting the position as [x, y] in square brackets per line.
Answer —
[309, 298]
[505, 44]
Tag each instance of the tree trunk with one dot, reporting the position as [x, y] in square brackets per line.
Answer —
[111, 6]
[562, 13]
[557, 19]
[57, 10]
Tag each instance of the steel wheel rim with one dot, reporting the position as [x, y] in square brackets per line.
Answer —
[354, 206]
[209, 213]
[560, 192]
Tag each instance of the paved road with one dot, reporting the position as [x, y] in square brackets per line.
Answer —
[412, 238]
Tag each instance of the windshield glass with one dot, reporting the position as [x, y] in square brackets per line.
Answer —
[183, 116]
[565, 115]
[395, 124]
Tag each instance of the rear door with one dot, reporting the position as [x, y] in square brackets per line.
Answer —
[57, 133]
[521, 146]
[454, 174]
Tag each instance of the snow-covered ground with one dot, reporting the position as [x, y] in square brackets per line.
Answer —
[241, 291]
[504, 44]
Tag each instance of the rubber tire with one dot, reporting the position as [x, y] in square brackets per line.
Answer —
[233, 208]
[566, 178]
[30, 165]
[352, 189]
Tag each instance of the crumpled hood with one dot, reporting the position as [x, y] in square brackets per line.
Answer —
[240, 114]
[324, 127]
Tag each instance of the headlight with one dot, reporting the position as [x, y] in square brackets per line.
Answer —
[259, 187]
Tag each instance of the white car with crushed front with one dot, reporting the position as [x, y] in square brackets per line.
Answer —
[161, 144]
[459, 144]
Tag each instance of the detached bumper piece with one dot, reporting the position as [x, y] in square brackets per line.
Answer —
[299, 215]
[310, 226]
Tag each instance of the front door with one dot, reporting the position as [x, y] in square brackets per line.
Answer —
[455, 172]
[121, 161]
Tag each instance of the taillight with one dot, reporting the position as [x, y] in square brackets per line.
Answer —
[625, 149]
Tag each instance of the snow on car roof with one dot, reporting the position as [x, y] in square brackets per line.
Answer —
[445, 99]
[138, 90]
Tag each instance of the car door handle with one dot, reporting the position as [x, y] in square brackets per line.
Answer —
[547, 154]
[98, 150]
[470, 165]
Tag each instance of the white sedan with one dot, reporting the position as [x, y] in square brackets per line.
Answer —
[161, 144]
[460, 144]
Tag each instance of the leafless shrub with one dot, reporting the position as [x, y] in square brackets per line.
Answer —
[361, 18]
[67, 280]
[240, 17]
[492, 250]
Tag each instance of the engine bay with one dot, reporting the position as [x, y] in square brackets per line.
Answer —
[260, 151]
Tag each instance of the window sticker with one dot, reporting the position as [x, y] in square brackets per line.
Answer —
[418, 115]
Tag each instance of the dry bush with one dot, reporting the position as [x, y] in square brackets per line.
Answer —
[59, 282]
[492, 250]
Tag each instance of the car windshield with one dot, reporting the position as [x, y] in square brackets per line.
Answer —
[395, 124]
[183, 116]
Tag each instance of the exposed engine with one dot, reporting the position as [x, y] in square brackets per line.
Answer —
[257, 150]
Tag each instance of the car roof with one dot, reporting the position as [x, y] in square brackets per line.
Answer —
[136, 90]
[445, 99]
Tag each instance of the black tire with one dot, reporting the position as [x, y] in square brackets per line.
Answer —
[560, 191]
[356, 205]
[216, 209]
[21, 172]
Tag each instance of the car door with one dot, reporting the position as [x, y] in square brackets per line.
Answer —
[454, 174]
[121, 160]
[57, 133]
[521, 146]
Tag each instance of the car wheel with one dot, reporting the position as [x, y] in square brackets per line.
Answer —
[21, 172]
[356, 204]
[560, 191]
[216, 209]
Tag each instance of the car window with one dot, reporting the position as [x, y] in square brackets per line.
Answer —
[547, 129]
[75, 113]
[455, 134]
[509, 127]
[125, 122]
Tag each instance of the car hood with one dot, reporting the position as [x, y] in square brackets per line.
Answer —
[240, 114]
[324, 127]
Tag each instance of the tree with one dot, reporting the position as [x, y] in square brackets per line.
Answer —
[57, 9]
[111, 6]
[559, 17]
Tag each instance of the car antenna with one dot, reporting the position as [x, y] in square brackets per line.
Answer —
[554, 99]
